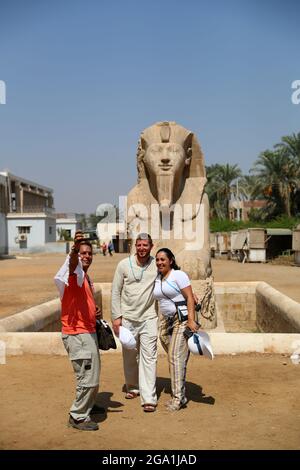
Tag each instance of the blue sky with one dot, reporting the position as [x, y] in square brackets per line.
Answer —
[85, 77]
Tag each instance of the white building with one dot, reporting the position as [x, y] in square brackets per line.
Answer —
[70, 223]
[30, 214]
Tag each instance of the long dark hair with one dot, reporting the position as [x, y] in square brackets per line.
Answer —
[171, 257]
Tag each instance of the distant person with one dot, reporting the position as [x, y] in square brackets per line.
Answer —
[78, 318]
[110, 248]
[177, 305]
[133, 308]
[104, 248]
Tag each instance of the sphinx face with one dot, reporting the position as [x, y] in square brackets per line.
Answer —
[165, 164]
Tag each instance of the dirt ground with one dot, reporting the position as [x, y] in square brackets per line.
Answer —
[28, 281]
[235, 402]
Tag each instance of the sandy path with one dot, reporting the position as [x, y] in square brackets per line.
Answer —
[235, 402]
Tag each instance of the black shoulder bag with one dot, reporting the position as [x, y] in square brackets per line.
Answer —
[105, 336]
[104, 333]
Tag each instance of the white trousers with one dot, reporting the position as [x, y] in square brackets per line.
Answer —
[140, 363]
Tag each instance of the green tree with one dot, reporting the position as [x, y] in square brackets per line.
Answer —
[276, 172]
[248, 188]
[290, 146]
[220, 186]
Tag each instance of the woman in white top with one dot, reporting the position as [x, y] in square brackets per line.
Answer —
[177, 307]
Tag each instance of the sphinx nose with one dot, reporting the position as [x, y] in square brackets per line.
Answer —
[165, 160]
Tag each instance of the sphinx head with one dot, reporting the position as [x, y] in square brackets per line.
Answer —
[164, 158]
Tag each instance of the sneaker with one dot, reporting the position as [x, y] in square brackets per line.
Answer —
[86, 425]
[175, 405]
[183, 401]
[98, 410]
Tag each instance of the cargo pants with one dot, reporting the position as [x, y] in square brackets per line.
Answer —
[83, 353]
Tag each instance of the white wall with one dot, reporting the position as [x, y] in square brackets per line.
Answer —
[50, 237]
[38, 236]
[3, 234]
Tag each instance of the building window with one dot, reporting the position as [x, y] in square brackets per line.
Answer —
[24, 229]
[50, 230]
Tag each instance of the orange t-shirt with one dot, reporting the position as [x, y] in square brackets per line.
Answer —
[78, 308]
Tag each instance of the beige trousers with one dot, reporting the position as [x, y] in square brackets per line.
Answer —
[84, 355]
[140, 364]
[175, 345]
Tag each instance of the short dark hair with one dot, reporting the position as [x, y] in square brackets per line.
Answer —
[144, 236]
[86, 242]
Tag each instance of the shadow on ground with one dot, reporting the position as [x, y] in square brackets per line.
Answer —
[193, 391]
[111, 406]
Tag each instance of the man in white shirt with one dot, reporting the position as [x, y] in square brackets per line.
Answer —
[133, 307]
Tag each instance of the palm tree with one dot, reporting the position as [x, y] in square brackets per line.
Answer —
[277, 174]
[219, 188]
[210, 188]
[249, 188]
[290, 144]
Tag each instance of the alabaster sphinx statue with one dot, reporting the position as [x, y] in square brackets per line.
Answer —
[169, 201]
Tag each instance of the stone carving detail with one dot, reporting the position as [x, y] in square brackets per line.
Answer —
[169, 201]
